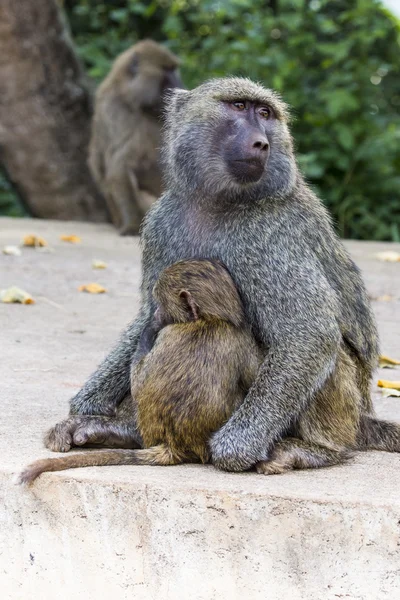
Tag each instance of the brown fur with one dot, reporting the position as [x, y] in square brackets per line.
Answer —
[327, 431]
[196, 375]
[126, 129]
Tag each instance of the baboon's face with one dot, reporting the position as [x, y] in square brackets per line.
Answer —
[171, 78]
[145, 73]
[229, 138]
[156, 79]
[243, 139]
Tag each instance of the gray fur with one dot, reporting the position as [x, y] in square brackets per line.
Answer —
[302, 293]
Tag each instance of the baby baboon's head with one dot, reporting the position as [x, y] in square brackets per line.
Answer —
[197, 289]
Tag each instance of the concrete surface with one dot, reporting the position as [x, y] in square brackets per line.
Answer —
[177, 533]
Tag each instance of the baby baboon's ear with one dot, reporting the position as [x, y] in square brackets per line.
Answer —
[189, 302]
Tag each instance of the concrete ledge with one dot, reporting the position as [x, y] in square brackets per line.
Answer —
[175, 533]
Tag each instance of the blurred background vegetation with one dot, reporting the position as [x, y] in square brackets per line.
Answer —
[336, 63]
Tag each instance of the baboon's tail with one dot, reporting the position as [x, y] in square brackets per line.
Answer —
[375, 434]
[157, 455]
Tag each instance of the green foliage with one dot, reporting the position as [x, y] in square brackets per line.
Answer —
[9, 202]
[336, 63]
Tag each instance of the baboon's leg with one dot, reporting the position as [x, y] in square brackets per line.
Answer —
[363, 378]
[326, 432]
[120, 431]
[146, 200]
[333, 415]
[378, 435]
[293, 453]
[113, 208]
[123, 196]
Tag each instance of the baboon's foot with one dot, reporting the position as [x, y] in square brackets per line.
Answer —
[85, 430]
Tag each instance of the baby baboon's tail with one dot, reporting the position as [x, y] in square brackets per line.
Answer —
[157, 455]
[375, 434]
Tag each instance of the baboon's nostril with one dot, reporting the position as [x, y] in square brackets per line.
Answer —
[261, 145]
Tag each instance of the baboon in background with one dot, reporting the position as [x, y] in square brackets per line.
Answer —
[126, 131]
[235, 194]
[191, 379]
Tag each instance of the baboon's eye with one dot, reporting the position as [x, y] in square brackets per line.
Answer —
[264, 112]
[239, 105]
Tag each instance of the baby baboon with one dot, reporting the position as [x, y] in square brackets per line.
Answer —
[234, 193]
[126, 128]
[199, 369]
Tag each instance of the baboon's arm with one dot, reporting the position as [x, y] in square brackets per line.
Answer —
[303, 342]
[251, 358]
[110, 383]
[98, 142]
[97, 166]
[147, 338]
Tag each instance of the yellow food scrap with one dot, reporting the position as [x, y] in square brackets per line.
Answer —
[72, 239]
[389, 256]
[99, 264]
[384, 298]
[92, 288]
[34, 240]
[385, 362]
[14, 294]
[391, 385]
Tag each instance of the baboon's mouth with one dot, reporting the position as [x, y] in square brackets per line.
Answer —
[252, 164]
[247, 170]
[250, 161]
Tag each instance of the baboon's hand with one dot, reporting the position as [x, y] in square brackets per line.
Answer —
[233, 449]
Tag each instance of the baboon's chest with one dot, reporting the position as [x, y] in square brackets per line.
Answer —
[246, 249]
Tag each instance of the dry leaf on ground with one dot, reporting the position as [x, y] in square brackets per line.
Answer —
[16, 295]
[99, 264]
[389, 256]
[34, 240]
[386, 393]
[385, 362]
[12, 250]
[383, 298]
[92, 288]
[392, 385]
[72, 239]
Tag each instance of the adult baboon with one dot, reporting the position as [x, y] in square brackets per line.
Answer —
[126, 130]
[235, 194]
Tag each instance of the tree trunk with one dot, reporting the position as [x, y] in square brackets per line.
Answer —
[45, 112]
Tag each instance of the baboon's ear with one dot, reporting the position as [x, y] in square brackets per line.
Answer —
[190, 303]
[133, 65]
[176, 99]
